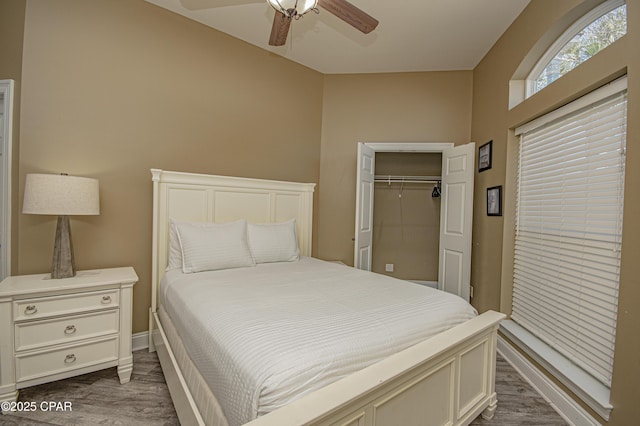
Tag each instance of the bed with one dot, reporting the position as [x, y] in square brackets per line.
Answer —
[387, 373]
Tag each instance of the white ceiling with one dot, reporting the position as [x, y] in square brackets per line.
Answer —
[413, 35]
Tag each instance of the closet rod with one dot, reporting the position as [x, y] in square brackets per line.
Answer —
[407, 179]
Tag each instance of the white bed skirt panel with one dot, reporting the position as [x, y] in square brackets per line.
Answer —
[205, 400]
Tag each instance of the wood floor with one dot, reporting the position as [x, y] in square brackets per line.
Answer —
[518, 403]
[99, 399]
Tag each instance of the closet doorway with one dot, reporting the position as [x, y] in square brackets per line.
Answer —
[6, 120]
[456, 207]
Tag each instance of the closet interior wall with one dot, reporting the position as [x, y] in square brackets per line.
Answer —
[406, 218]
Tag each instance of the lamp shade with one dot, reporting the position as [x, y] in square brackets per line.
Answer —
[61, 195]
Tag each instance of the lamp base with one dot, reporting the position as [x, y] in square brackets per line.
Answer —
[63, 265]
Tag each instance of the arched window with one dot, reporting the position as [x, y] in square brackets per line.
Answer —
[593, 32]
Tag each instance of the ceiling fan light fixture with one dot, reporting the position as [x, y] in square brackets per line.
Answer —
[293, 8]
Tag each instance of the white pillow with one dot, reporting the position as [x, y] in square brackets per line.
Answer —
[273, 242]
[212, 246]
[175, 252]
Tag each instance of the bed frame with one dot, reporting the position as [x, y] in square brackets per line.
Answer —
[448, 379]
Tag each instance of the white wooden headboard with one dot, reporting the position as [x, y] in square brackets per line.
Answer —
[210, 198]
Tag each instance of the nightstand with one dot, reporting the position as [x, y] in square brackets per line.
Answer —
[51, 329]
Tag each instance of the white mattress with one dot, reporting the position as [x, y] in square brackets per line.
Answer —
[266, 335]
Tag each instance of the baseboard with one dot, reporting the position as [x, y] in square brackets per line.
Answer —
[566, 407]
[140, 341]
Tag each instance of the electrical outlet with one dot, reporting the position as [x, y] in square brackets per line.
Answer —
[388, 267]
[471, 292]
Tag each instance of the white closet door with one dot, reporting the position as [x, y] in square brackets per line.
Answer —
[456, 219]
[364, 209]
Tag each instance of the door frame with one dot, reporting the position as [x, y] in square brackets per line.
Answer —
[6, 89]
[409, 146]
[412, 147]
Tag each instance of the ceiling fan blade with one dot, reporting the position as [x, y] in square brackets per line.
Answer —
[350, 14]
[279, 30]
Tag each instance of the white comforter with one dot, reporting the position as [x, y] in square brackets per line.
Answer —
[264, 336]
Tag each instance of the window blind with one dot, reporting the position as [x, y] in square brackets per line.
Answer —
[569, 231]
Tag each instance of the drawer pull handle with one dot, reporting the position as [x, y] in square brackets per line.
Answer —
[70, 329]
[69, 359]
[106, 300]
[30, 310]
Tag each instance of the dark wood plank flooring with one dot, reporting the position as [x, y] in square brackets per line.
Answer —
[518, 403]
[99, 399]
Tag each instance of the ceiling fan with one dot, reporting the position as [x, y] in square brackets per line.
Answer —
[286, 10]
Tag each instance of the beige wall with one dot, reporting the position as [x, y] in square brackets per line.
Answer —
[11, 38]
[408, 107]
[112, 88]
[492, 120]
[406, 219]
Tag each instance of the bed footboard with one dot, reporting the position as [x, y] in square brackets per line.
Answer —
[446, 380]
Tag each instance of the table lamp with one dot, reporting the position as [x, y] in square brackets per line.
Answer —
[65, 196]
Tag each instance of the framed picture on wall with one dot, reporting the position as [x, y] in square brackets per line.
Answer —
[484, 156]
[494, 201]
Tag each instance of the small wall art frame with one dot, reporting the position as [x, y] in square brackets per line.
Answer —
[484, 156]
[494, 201]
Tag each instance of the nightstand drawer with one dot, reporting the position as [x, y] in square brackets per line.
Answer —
[42, 307]
[38, 364]
[37, 334]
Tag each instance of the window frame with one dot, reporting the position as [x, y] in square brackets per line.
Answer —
[595, 394]
[565, 38]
